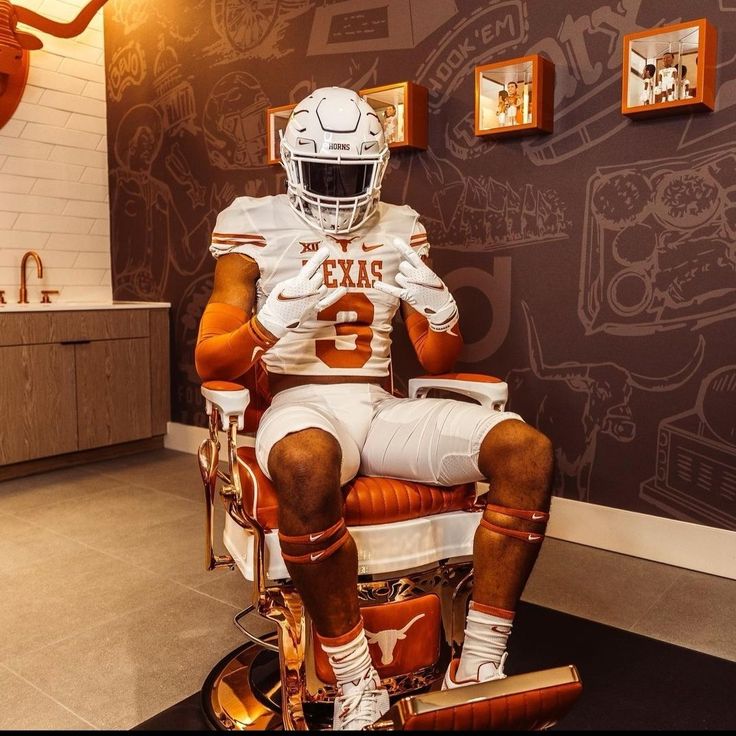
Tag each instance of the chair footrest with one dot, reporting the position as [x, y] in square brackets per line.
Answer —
[530, 702]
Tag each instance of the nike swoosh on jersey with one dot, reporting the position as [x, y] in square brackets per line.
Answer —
[369, 248]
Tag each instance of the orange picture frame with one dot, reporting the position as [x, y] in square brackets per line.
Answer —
[644, 45]
[276, 120]
[410, 103]
[538, 113]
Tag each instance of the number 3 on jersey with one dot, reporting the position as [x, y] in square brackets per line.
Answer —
[357, 357]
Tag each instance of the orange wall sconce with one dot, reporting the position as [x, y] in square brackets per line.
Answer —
[15, 46]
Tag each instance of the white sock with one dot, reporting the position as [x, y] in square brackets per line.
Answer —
[351, 663]
[486, 636]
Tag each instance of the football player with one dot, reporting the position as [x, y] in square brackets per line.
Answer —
[308, 282]
[668, 77]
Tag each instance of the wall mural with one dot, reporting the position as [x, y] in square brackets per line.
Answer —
[595, 267]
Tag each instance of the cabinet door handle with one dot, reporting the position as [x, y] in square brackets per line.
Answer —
[75, 342]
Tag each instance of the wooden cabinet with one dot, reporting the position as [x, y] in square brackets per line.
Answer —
[78, 380]
[37, 402]
[113, 392]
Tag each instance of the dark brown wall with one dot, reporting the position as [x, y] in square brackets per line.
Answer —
[607, 306]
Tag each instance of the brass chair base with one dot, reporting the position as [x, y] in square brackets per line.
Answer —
[243, 691]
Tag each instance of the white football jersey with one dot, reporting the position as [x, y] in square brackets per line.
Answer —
[352, 336]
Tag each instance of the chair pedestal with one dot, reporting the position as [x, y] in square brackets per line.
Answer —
[243, 691]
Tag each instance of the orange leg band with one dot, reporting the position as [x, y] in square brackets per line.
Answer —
[326, 543]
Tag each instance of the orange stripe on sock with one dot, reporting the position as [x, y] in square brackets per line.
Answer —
[338, 641]
[492, 610]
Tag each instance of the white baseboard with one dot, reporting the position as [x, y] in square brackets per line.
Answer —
[679, 543]
[672, 542]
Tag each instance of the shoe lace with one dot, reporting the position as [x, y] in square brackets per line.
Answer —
[359, 706]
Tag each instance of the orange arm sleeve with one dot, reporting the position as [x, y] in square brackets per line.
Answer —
[228, 343]
[437, 351]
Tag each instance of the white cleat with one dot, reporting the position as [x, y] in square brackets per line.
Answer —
[486, 672]
[360, 704]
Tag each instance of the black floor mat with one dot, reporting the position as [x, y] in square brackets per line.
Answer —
[630, 682]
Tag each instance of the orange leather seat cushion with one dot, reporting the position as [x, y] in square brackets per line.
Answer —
[367, 500]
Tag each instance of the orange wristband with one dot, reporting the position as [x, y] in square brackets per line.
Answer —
[437, 351]
[228, 343]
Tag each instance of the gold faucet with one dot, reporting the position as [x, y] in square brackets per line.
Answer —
[23, 296]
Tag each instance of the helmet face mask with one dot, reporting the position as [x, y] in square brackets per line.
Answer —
[334, 153]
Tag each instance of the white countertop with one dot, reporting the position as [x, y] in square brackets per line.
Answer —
[79, 306]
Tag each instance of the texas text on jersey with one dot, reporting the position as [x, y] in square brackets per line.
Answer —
[353, 335]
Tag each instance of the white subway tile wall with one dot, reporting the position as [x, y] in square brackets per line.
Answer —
[53, 168]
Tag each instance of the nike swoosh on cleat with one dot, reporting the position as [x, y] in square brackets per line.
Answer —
[369, 248]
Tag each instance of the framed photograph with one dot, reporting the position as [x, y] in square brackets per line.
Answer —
[669, 69]
[402, 110]
[276, 120]
[514, 96]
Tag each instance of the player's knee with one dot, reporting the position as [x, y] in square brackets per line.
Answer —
[309, 458]
[513, 444]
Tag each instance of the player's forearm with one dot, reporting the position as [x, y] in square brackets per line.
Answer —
[228, 343]
[436, 351]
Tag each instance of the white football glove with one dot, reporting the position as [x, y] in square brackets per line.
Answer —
[297, 298]
[423, 289]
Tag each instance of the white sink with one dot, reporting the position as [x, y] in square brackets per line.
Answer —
[76, 306]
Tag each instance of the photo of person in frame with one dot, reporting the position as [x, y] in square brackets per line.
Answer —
[390, 124]
[667, 78]
[503, 106]
[648, 75]
[513, 114]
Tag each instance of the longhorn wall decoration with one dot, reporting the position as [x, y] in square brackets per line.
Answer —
[15, 46]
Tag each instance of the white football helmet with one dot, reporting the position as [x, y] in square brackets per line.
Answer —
[335, 155]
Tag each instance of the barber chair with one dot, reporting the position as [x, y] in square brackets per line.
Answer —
[415, 577]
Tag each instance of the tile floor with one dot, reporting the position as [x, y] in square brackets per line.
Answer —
[108, 616]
